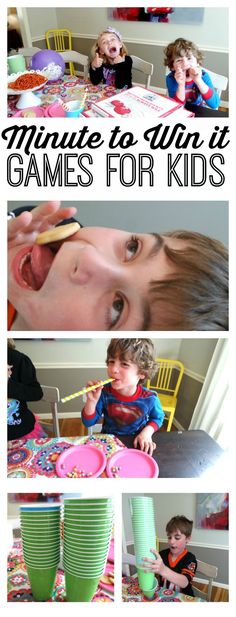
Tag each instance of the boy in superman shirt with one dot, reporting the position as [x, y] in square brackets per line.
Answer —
[187, 82]
[128, 408]
[175, 566]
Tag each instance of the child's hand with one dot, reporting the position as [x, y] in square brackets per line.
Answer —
[25, 228]
[154, 565]
[94, 395]
[118, 59]
[97, 62]
[195, 74]
[180, 76]
[144, 440]
[9, 370]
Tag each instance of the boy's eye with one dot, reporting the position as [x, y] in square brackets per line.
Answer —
[132, 247]
[115, 311]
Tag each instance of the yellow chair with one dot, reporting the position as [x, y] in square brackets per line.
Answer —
[62, 41]
[167, 382]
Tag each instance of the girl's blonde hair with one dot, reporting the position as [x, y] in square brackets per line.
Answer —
[95, 47]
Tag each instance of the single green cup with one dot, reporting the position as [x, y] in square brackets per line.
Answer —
[42, 582]
[80, 589]
[16, 64]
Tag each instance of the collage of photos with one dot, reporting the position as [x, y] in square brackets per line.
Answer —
[117, 335]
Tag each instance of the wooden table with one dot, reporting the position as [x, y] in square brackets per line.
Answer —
[206, 112]
[182, 454]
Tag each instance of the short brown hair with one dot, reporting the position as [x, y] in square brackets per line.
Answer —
[176, 49]
[195, 295]
[138, 350]
[180, 522]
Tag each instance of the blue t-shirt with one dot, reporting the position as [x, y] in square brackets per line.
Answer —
[192, 92]
[126, 415]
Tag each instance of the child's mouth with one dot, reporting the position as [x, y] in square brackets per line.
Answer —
[31, 265]
[112, 51]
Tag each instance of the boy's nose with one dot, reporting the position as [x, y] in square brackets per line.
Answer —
[91, 266]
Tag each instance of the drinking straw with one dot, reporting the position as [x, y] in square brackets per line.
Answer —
[83, 100]
[85, 390]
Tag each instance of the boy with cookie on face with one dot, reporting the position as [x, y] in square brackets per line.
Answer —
[106, 279]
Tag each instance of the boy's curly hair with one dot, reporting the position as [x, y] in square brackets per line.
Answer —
[140, 351]
[95, 48]
[178, 48]
[180, 522]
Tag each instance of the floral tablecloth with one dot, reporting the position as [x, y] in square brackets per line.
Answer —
[131, 592]
[66, 88]
[37, 457]
[19, 587]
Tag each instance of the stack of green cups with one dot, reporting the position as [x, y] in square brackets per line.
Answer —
[143, 523]
[40, 530]
[87, 533]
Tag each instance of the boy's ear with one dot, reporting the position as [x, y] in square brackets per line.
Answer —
[142, 376]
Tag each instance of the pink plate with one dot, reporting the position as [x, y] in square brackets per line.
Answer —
[55, 110]
[30, 112]
[87, 458]
[107, 586]
[133, 464]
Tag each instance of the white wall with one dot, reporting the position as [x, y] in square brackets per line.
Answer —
[82, 352]
[167, 505]
[206, 217]
[41, 20]
[211, 34]
[196, 354]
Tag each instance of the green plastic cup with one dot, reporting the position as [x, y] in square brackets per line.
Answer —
[42, 582]
[85, 550]
[80, 589]
[40, 546]
[146, 580]
[41, 532]
[87, 500]
[100, 518]
[151, 592]
[84, 560]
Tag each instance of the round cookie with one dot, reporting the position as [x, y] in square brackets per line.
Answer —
[57, 233]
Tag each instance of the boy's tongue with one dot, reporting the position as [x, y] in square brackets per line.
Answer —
[37, 268]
